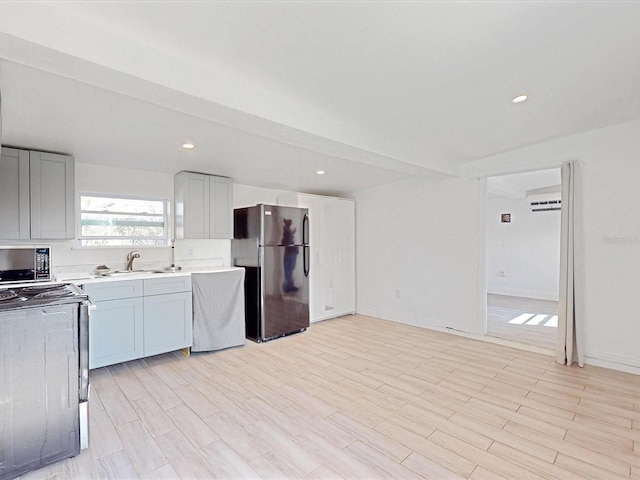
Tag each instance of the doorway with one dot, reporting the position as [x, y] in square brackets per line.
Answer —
[523, 256]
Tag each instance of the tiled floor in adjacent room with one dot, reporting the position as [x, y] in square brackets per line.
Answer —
[360, 398]
[526, 320]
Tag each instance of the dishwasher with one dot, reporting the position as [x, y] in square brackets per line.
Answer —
[44, 380]
[218, 310]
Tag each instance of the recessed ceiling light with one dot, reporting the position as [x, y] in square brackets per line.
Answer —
[319, 172]
[520, 98]
[188, 146]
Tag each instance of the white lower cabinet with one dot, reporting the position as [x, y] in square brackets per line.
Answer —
[139, 318]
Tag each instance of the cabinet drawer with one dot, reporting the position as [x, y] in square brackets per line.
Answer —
[161, 286]
[113, 290]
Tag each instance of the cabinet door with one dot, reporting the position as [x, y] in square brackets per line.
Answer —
[192, 205]
[221, 207]
[116, 332]
[52, 195]
[345, 259]
[14, 194]
[168, 323]
[326, 253]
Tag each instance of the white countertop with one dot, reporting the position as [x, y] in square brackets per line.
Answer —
[148, 275]
[82, 279]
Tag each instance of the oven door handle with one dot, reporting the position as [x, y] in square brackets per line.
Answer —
[83, 347]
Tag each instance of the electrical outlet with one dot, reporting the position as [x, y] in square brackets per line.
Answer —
[190, 251]
[502, 273]
[397, 293]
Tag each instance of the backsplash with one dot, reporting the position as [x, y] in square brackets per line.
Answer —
[67, 257]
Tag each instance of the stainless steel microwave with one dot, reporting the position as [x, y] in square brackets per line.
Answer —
[25, 263]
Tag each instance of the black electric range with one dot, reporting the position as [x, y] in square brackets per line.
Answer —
[45, 383]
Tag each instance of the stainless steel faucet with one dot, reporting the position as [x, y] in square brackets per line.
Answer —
[131, 256]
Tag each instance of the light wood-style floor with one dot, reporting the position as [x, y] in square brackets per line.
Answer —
[537, 317]
[360, 398]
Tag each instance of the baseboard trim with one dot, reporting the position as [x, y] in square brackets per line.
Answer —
[596, 359]
[613, 362]
[514, 292]
[460, 333]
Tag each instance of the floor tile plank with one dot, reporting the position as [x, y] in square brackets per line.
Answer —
[141, 447]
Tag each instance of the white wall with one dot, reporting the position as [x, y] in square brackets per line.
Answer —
[417, 253]
[421, 238]
[526, 251]
[610, 234]
[247, 195]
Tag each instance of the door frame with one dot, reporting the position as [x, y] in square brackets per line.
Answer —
[482, 175]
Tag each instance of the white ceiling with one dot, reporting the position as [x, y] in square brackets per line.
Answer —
[272, 91]
[519, 185]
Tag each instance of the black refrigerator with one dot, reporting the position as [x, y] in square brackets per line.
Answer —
[272, 244]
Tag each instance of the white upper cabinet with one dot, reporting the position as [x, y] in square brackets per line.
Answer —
[332, 245]
[191, 192]
[52, 187]
[14, 194]
[36, 195]
[203, 206]
[220, 207]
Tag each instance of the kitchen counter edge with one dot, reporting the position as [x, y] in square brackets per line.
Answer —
[119, 278]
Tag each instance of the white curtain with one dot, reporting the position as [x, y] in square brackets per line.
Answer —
[570, 319]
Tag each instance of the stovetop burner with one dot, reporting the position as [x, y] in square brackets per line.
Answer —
[38, 289]
[11, 297]
[38, 295]
[47, 291]
[6, 295]
[55, 294]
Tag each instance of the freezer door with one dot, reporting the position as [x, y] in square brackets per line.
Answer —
[246, 223]
[285, 292]
[246, 237]
[284, 225]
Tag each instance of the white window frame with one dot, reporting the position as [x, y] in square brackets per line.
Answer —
[166, 219]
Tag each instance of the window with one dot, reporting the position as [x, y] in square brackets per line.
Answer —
[108, 220]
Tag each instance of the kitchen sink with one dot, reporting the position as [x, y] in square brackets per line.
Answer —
[125, 273]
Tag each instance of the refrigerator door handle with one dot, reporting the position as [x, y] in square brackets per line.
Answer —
[305, 259]
[305, 230]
